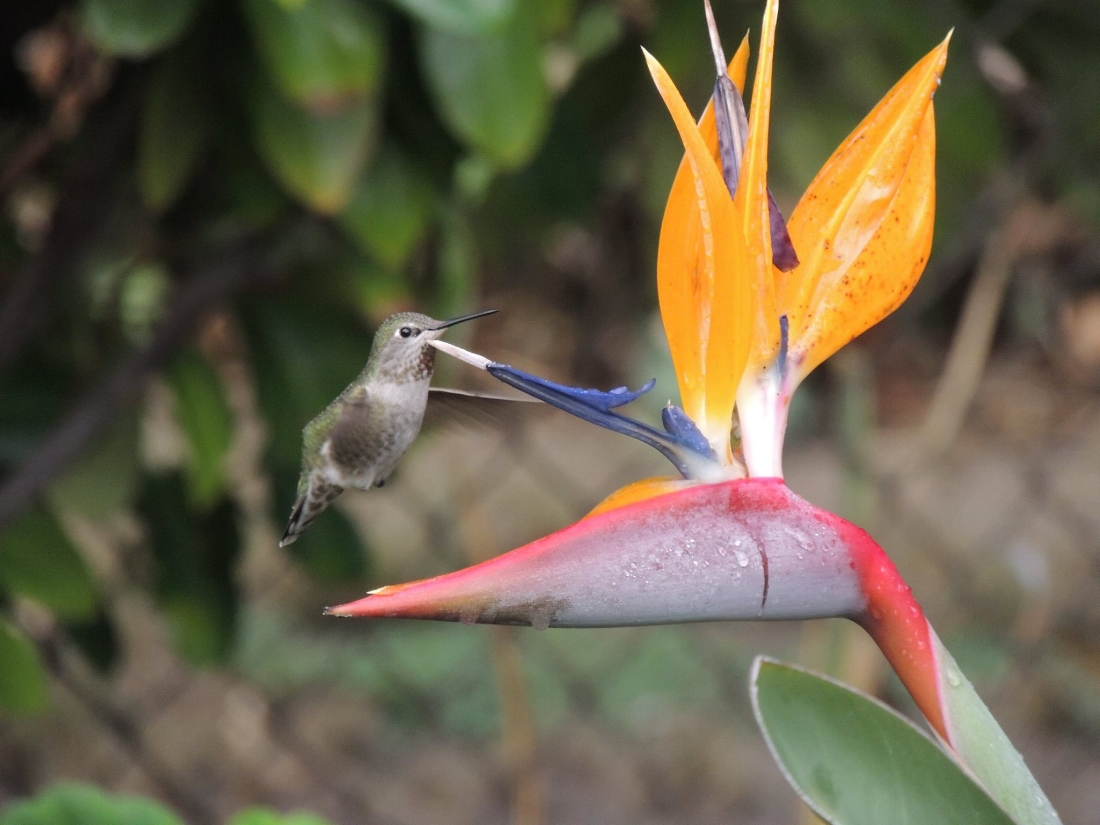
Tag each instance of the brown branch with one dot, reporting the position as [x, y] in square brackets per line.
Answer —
[195, 298]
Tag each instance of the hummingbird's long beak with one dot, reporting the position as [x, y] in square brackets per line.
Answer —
[463, 318]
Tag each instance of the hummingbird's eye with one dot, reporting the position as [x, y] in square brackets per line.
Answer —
[405, 332]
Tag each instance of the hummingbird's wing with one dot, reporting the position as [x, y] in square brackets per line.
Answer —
[447, 406]
[353, 441]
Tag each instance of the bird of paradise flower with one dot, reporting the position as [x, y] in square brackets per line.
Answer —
[751, 305]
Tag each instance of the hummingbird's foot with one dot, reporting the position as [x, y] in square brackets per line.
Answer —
[380, 483]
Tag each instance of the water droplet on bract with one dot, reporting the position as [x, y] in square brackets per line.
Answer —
[737, 543]
[742, 559]
[953, 679]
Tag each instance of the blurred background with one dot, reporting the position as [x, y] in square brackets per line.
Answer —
[208, 206]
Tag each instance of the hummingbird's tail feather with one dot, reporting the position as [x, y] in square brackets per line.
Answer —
[317, 497]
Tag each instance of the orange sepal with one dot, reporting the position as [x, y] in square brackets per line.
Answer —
[864, 227]
[640, 491]
[705, 296]
[751, 201]
[684, 300]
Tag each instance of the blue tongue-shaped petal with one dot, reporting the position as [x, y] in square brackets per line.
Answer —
[683, 444]
[680, 426]
[597, 399]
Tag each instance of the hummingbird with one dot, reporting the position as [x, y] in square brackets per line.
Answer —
[361, 436]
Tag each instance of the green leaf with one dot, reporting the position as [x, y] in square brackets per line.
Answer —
[105, 480]
[176, 126]
[460, 16]
[857, 762]
[458, 262]
[38, 560]
[205, 417]
[389, 213]
[136, 28]
[71, 803]
[316, 158]
[490, 89]
[195, 559]
[22, 682]
[330, 550]
[986, 750]
[322, 54]
[248, 197]
[265, 816]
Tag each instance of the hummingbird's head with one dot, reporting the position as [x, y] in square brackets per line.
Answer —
[401, 343]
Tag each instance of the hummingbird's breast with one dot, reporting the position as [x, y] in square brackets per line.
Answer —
[367, 454]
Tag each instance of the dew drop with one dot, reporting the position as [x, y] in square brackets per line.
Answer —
[953, 679]
[742, 559]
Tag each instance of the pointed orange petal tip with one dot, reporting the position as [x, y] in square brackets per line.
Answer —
[751, 200]
[704, 295]
[864, 226]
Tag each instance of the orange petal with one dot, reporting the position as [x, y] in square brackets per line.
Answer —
[640, 491]
[864, 226]
[704, 295]
[685, 301]
[751, 200]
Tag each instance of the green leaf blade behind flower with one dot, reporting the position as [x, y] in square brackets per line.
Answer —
[856, 761]
[265, 816]
[316, 158]
[195, 557]
[37, 560]
[206, 419]
[136, 28]
[22, 681]
[985, 748]
[176, 124]
[71, 802]
[389, 213]
[322, 54]
[490, 89]
[459, 16]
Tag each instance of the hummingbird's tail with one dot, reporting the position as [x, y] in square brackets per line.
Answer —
[318, 494]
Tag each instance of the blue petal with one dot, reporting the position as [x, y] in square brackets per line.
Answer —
[679, 424]
[596, 407]
[597, 399]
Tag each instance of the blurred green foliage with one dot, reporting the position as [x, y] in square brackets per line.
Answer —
[393, 153]
[70, 802]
